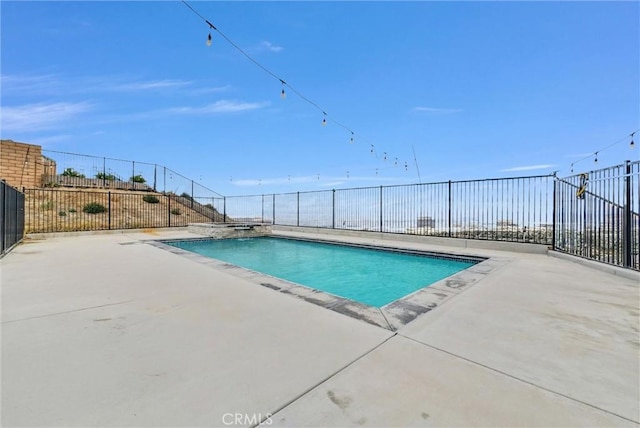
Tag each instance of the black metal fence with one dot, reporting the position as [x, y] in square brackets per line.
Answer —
[506, 209]
[57, 210]
[62, 169]
[11, 217]
[594, 215]
[598, 215]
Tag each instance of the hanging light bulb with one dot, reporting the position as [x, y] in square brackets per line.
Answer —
[283, 94]
[571, 168]
[371, 149]
[351, 140]
[209, 40]
[596, 158]
[324, 119]
[632, 144]
[385, 156]
[396, 162]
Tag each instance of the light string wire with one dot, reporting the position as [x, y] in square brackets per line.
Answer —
[595, 153]
[275, 76]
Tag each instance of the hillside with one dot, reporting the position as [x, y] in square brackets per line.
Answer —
[62, 210]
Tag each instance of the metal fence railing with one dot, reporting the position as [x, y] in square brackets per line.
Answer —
[57, 210]
[63, 169]
[507, 209]
[598, 215]
[11, 217]
[594, 215]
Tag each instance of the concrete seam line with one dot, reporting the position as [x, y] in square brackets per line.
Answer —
[326, 379]
[67, 312]
[519, 379]
[387, 321]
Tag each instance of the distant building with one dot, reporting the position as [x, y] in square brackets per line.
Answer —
[427, 222]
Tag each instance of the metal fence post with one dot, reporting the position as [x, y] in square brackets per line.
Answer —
[3, 208]
[133, 175]
[380, 208]
[449, 209]
[224, 209]
[627, 216]
[164, 182]
[553, 211]
[333, 209]
[262, 211]
[104, 172]
[273, 216]
[109, 210]
[298, 211]
[169, 210]
[155, 168]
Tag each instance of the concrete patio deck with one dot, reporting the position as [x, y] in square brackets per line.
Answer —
[106, 330]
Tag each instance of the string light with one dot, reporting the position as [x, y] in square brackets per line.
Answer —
[266, 70]
[595, 154]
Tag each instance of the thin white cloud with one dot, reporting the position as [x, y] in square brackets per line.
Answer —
[273, 181]
[210, 90]
[222, 106]
[30, 84]
[436, 110]
[322, 181]
[269, 47]
[50, 139]
[36, 117]
[528, 168]
[153, 84]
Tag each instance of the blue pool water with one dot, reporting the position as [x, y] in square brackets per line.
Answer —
[369, 276]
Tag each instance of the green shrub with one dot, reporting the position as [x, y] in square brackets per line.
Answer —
[94, 208]
[176, 211]
[150, 199]
[103, 176]
[70, 172]
[51, 184]
[46, 206]
[138, 179]
[186, 196]
[62, 214]
[72, 210]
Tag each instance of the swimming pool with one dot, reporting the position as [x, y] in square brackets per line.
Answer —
[372, 276]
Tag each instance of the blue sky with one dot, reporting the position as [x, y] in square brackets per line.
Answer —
[476, 89]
